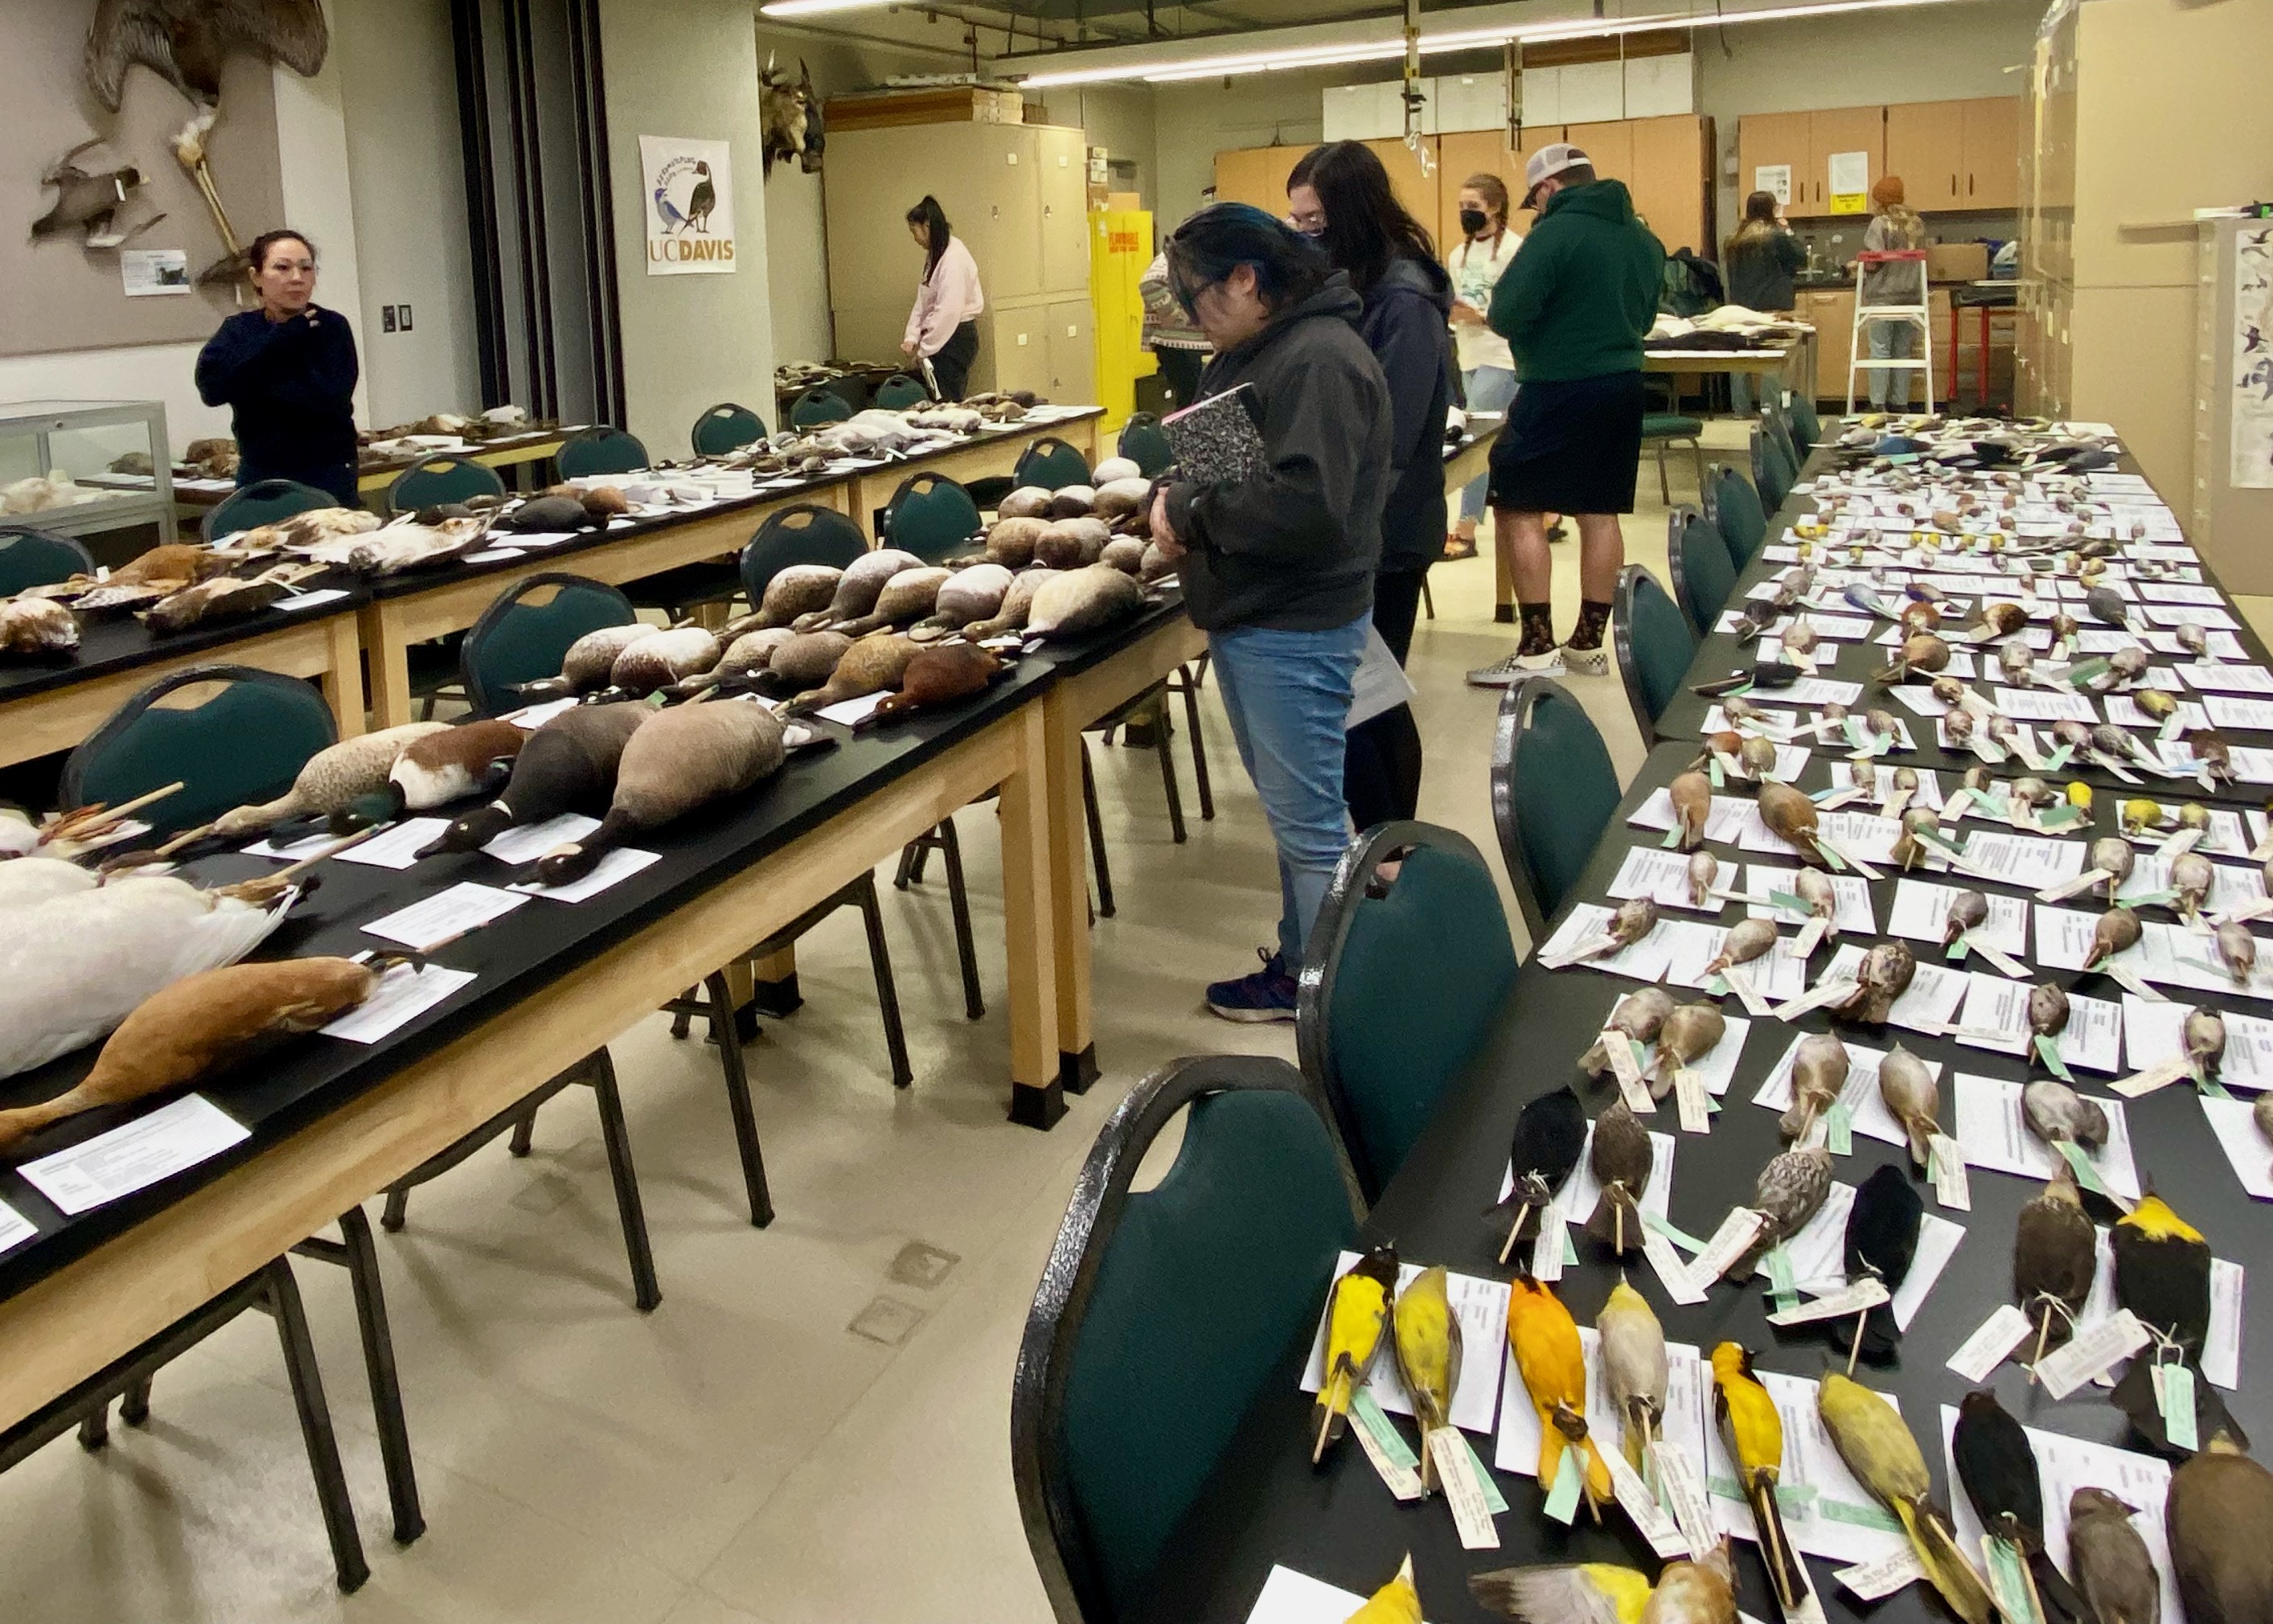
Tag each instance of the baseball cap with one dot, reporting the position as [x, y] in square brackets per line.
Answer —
[1549, 161]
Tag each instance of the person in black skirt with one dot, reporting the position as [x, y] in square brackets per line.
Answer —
[943, 327]
[288, 373]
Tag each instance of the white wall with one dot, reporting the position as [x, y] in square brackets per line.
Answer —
[406, 176]
[687, 67]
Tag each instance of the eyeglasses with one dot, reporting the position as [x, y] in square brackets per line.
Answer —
[1310, 223]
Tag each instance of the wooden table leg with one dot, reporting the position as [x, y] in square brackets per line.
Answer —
[1029, 906]
[389, 657]
[1070, 927]
[773, 982]
[343, 680]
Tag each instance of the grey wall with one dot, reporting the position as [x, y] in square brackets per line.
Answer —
[1194, 122]
[687, 67]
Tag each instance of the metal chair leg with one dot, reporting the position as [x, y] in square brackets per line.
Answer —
[1168, 773]
[1428, 598]
[646, 1291]
[1199, 755]
[282, 1294]
[362, 1259]
[398, 1205]
[887, 992]
[906, 871]
[958, 907]
[524, 1133]
[1096, 834]
[1664, 487]
[738, 1099]
[681, 1018]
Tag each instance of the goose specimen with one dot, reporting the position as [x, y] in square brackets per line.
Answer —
[198, 1025]
[871, 664]
[969, 594]
[799, 590]
[679, 760]
[1017, 602]
[566, 766]
[662, 658]
[590, 662]
[906, 598]
[333, 777]
[435, 770]
[1088, 599]
[75, 962]
[857, 586]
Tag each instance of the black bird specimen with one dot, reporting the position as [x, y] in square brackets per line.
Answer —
[2162, 1276]
[1998, 1470]
[1549, 1133]
[1882, 1238]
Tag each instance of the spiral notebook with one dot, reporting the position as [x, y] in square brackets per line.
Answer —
[1216, 438]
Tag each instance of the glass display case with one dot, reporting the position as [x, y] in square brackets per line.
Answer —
[79, 467]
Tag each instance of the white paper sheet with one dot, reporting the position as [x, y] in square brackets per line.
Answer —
[1860, 1095]
[443, 917]
[1989, 1128]
[135, 1155]
[2092, 1039]
[527, 842]
[396, 847]
[1683, 1424]
[1921, 911]
[1481, 1307]
[618, 864]
[404, 992]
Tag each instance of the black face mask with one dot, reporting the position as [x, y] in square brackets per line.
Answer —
[1473, 220]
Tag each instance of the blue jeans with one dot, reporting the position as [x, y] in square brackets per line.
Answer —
[1890, 340]
[1489, 389]
[1287, 694]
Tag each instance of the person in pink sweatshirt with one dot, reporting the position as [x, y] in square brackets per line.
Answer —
[943, 327]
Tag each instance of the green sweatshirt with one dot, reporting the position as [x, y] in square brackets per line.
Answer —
[1581, 296]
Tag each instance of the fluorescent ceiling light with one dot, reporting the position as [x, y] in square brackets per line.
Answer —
[1194, 68]
[813, 8]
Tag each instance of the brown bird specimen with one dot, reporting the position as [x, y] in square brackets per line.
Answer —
[2219, 1518]
[198, 1025]
[1621, 1157]
[89, 203]
[2109, 1561]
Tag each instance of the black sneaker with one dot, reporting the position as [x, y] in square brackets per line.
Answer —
[1267, 994]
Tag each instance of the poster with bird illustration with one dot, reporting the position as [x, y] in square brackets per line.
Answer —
[689, 189]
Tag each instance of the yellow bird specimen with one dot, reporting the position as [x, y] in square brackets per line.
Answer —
[1549, 1358]
[1396, 1602]
[1604, 1593]
[1355, 1316]
[1755, 1433]
[1880, 1450]
[1428, 1336]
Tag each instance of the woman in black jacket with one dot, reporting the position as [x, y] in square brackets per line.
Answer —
[287, 371]
[1340, 195]
[1278, 565]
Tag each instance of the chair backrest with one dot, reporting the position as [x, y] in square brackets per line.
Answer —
[805, 534]
[1806, 427]
[1772, 472]
[1779, 427]
[1704, 575]
[242, 742]
[30, 557]
[817, 406]
[263, 502]
[1163, 1312]
[1144, 443]
[1052, 464]
[1397, 991]
[930, 516]
[899, 392]
[1734, 509]
[602, 449]
[445, 478]
[525, 631]
[1553, 793]
[726, 427]
[1654, 644]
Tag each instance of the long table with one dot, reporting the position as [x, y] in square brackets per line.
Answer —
[1267, 1505]
[993, 454]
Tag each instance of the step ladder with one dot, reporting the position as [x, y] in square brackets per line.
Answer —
[1859, 359]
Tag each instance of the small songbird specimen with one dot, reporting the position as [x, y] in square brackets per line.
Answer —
[1355, 1318]
[1754, 1431]
[2109, 1561]
[1428, 1337]
[1634, 1367]
[1605, 1593]
[1787, 1193]
[1621, 1157]
[1882, 1452]
[1548, 1356]
[2055, 1253]
[1998, 1467]
[1882, 1238]
[1396, 1602]
[2219, 1517]
[1549, 1133]
[2162, 1276]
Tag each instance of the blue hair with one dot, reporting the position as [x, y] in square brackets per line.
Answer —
[1221, 237]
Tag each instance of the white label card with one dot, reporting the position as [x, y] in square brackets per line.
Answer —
[135, 1155]
[443, 917]
[404, 992]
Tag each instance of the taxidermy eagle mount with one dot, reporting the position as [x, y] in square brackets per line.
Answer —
[185, 43]
[790, 115]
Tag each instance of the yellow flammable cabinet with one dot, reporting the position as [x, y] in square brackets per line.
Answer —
[1120, 249]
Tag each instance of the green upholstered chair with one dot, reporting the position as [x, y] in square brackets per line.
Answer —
[930, 516]
[1773, 471]
[1703, 573]
[436, 480]
[1660, 429]
[805, 534]
[1398, 987]
[1553, 792]
[817, 406]
[602, 449]
[1806, 427]
[263, 502]
[1052, 464]
[32, 557]
[1777, 420]
[899, 392]
[1734, 509]
[1163, 1312]
[242, 742]
[1144, 443]
[1651, 639]
[726, 427]
[527, 628]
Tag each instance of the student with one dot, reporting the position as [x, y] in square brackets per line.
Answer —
[1487, 366]
[1278, 567]
[1761, 259]
[943, 326]
[1179, 348]
[1574, 308]
[1340, 196]
[1893, 229]
[288, 373]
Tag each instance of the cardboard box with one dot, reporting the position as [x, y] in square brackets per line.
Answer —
[1957, 262]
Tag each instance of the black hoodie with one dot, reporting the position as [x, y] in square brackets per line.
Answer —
[1407, 323]
[1294, 547]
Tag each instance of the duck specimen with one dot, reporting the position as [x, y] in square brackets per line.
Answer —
[662, 658]
[1089, 599]
[906, 598]
[441, 767]
[331, 779]
[940, 676]
[858, 587]
[566, 766]
[871, 664]
[973, 593]
[223, 597]
[1017, 603]
[798, 590]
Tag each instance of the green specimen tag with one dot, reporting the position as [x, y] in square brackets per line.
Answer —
[1839, 1129]
[1959, 948]
[1367, 1413]
[2083, 671]
[1781, 1286]
[1672, 838]
[1790, 901]
[2210, 1087]
[1679, 1238]
[2059, 817]
[1713, 771]
[2087, 1176]
[2060, 757]
[2174, 1397]
[2008, 1582]
[1495, 1501]
[1570, 1249]
[2048, 1051]
[1853, 727]
[1562, 1499]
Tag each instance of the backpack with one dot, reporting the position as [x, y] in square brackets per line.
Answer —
[1688, 286]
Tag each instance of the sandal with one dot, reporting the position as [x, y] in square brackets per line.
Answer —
[1456, 549]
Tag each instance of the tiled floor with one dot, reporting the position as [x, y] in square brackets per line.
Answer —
[742, 1453]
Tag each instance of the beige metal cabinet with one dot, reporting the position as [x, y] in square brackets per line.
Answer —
[1062, 187]
[1071, 346]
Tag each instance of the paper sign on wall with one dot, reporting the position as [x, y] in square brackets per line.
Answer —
[1851, 183]
[689, 188]
[146, 272]
[1775, 178]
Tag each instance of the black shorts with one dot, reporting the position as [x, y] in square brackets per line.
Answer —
[1570, 446]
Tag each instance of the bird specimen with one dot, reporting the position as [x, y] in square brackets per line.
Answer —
[1620, 1157]
[1691, 795]
[1605, 1593]
[2109, 1561]
[1073, 602]
[1634, 1368]
[1906, 1084]
[467, 759]
[2162, 1276]
[90, 203]
[1881, 1243]
[568, 764]
[1998, 1467]
[1549, 1132]
[1544, 1341]
[1639, 1015]
[1427, 1335]
[1753, 1433]
[1786, 1195]
[2219, 1517]
[1691, 1032]
[1882, 1452]
[331, 779]
[1885, 976]
[1818, 1072]
[2056, 1113]
[1396, 1602]
[1356, 1315]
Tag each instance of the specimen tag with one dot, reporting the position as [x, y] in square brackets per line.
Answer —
[1562, 1499]
[2092, 1352]
[1495, 1501]
[2161, 1075]
[1456, 1475]
[2008, 1581]
[2087, 1175]
[1828, 990]
[1875, 1580]
[1747, 993]
[1546, 1251]
[1857, 1297]
[1839, 1129]
[1951, 1187]
[2174, 1397]
[1683, 1496]
[1954, 808]
[2047, 1049]
[1781, 1286]
[2006, 963]
[1634, 1499]
[1682, 1284]
[1382, 1446]
[1730, 1242]
[1694, 1103]
[1998, 1335]
[2131, 983]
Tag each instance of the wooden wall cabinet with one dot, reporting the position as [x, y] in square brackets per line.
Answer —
[1992, 152]
[1926, 145]
[1951, 155]
[1774, 140]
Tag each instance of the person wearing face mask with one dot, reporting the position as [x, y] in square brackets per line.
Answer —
[1487, 365]
[288, 373]
[1277, 566]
